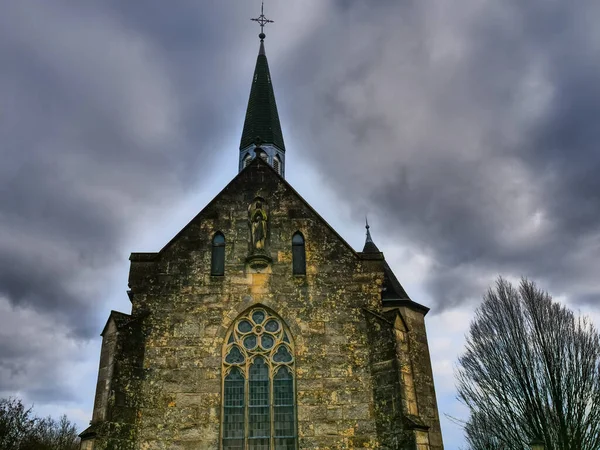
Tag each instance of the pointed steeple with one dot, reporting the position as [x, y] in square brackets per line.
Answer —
[262, 127]
[370, 246]
[262, 118]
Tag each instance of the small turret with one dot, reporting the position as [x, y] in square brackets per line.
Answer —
[370, 246]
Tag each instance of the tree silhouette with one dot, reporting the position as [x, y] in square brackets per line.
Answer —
[530, 369]
[21, 430]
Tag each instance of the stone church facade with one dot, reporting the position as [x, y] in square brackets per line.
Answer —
[258, 327]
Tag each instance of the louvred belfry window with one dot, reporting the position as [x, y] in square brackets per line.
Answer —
[277, 164]
[259, 400]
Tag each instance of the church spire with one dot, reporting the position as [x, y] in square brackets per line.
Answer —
[370, 246]
[261, 127]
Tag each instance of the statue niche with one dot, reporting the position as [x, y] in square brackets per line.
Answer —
[257, 217]
[258, 223]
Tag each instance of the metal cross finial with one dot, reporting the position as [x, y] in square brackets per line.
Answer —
[262, 21]
[369, 238]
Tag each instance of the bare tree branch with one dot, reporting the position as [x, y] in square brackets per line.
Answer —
[21, 430]
[530, 369]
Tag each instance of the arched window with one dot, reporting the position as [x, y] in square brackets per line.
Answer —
[298, 254]
[277, 164]
[259, 402]
[247, 160]
[217, 266]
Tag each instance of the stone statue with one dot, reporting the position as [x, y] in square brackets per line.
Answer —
[257, 216]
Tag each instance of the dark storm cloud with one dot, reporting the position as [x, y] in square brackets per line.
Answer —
[109, 112]
[472, 129]
[469, 128]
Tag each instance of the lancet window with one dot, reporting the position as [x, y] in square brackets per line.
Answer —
[217, 264]
[298, 254]
[259, 399]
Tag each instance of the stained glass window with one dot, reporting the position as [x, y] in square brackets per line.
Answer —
[233, 405]
[250, 342]
[259, 420]
[259, 409]
[272, 326]
[283, 409]
[267, 342]
[282, 355]
[258, 316]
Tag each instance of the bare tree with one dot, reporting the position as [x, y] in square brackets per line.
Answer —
[530, 369]
[21, 430]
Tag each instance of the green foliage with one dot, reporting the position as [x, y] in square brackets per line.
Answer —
[531, 369]
[21, 430]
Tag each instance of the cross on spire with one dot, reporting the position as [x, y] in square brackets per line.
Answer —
[262, 21]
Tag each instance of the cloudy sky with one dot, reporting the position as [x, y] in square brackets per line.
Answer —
[467, 130]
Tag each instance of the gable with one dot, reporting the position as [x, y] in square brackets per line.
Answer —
[116, 320]
[229, 208]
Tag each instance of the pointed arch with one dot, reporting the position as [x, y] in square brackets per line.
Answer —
[298, 254]
[217, 264]
[259, 397]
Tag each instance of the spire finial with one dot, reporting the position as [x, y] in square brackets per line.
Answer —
[262, 21]
[370, 246]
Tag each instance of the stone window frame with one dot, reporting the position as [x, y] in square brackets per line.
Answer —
[281, 338]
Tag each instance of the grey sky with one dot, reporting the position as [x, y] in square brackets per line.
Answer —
[468, 131]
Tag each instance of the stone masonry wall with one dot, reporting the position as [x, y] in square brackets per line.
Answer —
[166, 382]
[105, 373]
[422, 374]
[189, 313]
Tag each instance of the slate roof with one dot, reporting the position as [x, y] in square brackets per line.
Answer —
[120, 319]
[89, 432]
[262, 119]
[392, 292]
[370, 246]
[392, 289]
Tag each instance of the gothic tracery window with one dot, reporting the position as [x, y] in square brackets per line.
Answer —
[259, 407]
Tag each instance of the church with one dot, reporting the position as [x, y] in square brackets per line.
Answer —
[259, 327]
